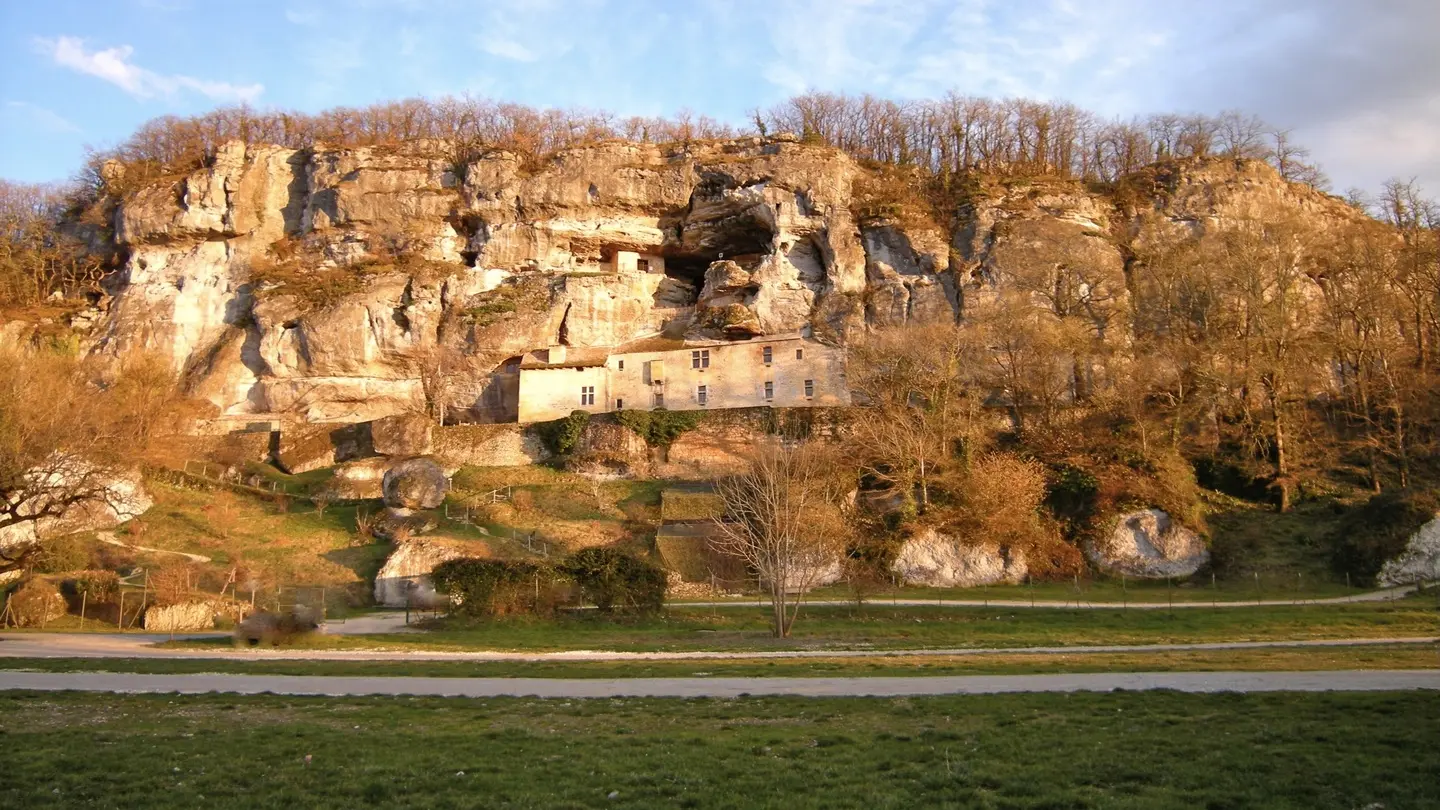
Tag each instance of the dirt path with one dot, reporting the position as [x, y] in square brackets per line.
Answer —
[1368, 680]
[131, 645]
[110, 539]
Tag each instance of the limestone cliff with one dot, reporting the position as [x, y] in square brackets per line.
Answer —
[336, 284]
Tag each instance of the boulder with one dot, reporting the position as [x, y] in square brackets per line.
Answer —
[938, 560]
[1419, 562]
[1148, 544]
[416, 483]
[185, 617]
[404, 579]
[358, 479]
[402, 435]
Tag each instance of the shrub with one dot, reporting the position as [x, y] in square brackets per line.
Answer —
[1073, 492]
[64, 554]
[1378, 530]
[96, 586]
[611, 578]
[173, 584]
[499, 587]
[559, 436]
[35, 603]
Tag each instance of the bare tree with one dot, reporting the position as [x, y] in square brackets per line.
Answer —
[917, 404]
[785, 517]
[65, 442]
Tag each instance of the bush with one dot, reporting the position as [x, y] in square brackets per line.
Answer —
[1378, 530]
[659, 428]
[36, 603]
[499, 587]
[611, 578]
[1073, 493]
[560, 435]
[97, 587]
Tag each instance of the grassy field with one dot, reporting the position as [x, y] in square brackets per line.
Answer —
[1383, 656]
[1268, 588]
[883, 627]
[1121, 750]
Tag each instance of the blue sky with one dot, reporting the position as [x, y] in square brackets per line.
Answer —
[1359, 81]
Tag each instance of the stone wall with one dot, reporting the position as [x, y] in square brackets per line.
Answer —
[487, 446]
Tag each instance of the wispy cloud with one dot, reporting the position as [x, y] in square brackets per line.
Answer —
[114, 66]
[39, 117]
[507, 49]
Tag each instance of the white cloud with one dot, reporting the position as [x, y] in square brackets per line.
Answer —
[508, 49]
[114, 66]
[39, 117]
[1366, 148]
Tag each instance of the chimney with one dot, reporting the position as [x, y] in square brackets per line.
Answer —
[555, 354]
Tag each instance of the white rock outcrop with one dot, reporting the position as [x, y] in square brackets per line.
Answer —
[185, 617]
[1150, 545]
[937, 560]
[1419, 562]
[404, 579]
[122, 497]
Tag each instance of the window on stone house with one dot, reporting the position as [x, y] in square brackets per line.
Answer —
[767, 355]
[643, 265]
[702, 394]
[621, 366]
[587, 395]
[799, 354]
[619, 404]
[769, 390]
[809, 388]
[700, 358]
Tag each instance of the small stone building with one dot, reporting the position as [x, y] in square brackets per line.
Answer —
[629, 261]
[786, 371]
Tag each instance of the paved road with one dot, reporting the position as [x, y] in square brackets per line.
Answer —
[1370, 680]
[133, 645]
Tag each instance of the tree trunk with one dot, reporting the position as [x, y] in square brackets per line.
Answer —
[1282, 466]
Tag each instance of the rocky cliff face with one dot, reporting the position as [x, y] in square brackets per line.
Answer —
[334, 284]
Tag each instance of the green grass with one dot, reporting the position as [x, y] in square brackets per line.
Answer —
[1249, 539]
[1270, 587]
[1121, 750]
[1380, 656]
[883, 627]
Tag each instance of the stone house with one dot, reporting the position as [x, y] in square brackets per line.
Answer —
[629, 261]
[783, 371]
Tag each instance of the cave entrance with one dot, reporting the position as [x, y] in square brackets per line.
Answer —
[689, 269]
